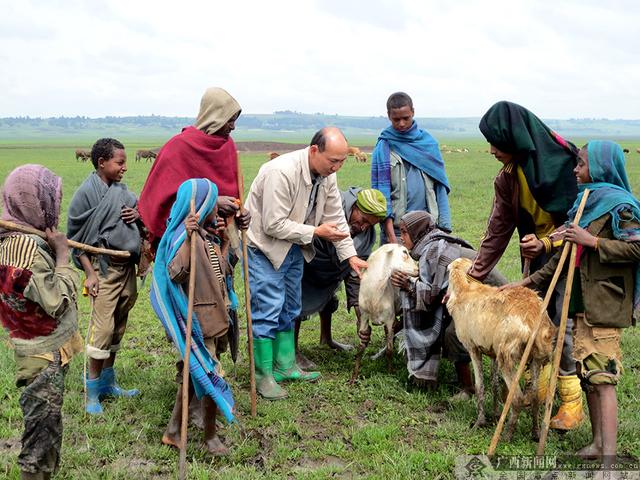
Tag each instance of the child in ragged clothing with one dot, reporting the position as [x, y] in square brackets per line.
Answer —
[605, 297]
[103, 213]
[38, 309]
[210, 305]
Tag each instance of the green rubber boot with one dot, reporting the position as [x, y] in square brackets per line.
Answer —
[265, 383]
[284, 358]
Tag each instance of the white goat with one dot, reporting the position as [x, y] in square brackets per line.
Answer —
[378, 298]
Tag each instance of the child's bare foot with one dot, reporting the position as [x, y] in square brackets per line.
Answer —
[215, 447]
[590, 452]
[171, 440]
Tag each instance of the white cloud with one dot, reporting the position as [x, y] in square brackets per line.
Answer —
[116, 57]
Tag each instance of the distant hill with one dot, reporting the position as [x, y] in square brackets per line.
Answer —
[283, 125]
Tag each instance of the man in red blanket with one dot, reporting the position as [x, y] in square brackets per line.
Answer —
[203, 150]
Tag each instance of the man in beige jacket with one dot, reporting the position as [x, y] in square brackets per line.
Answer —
[293, 198]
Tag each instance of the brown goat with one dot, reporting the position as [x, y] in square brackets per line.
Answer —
[82, 154]
[498, 323]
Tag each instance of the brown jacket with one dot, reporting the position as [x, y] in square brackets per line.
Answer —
[607, 277]
[210, 301]
[506, 216]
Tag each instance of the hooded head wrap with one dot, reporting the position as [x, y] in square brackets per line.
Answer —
[217, 107]
[31, 197]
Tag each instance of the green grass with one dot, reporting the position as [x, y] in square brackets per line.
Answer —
[375, 429]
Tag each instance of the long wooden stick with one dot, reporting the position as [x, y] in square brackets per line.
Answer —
[73, 244]
[187, 354]
[534, 334]
[247, 303]
[551, 391]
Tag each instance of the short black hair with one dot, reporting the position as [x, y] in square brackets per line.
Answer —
[104, 148]
[399, 100]
[319, 138]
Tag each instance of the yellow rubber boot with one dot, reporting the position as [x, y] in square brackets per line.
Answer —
[543, 383]
[570, 413]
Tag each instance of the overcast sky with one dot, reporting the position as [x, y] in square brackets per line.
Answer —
[561, 59]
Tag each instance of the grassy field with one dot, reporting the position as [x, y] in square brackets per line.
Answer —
[375, 429]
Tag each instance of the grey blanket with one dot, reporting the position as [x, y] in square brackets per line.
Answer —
[94, 218]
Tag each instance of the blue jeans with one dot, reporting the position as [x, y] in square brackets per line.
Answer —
[276, 295]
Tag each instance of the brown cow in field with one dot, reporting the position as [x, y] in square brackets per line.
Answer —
[273, 155]
[150, 155]
[82, 154]
[358, 154]
[625, 150]
[638, 150]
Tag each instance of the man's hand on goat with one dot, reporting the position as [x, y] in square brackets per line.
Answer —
[330, 232]
[521, 283]
[531, 246]
[400, 280]
[357, 265]
[580, 236]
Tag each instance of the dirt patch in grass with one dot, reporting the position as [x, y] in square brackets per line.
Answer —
[10, 445]
[138, 467]
[313, 464]
[279, 147]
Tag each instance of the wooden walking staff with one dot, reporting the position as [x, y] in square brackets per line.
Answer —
[247, 302]
[187, 352]
[534, 334]
[73, 244]
[551, 391]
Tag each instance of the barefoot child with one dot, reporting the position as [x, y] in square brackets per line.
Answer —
[38, 309]
[103, 213]
[210, 316]
[605, 296]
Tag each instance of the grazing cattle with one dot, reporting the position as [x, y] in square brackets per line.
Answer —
[150, 155]
[358, 154]
[625, 150]
[638, 150]
[273, 155]
[378, 297]
[499, 323]
[82, 154]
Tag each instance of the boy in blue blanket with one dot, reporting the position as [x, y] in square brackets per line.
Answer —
[408, 169]
[210, 305]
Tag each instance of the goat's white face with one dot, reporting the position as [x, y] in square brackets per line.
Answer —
[401, 261]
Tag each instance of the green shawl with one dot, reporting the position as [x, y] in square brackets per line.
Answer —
[547, 159]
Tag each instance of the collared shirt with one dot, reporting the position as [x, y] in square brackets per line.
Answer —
[279, 201]
[313, 196]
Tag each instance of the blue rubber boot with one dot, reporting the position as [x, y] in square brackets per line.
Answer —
[93, 396]
[110, 387]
